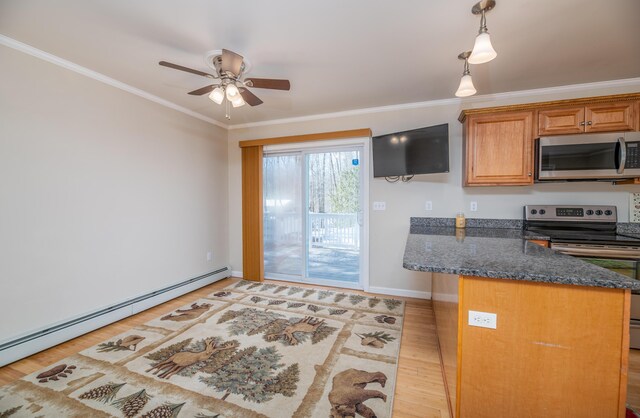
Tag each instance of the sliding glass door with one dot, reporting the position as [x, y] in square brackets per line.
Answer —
[282, 226]
[313, 218]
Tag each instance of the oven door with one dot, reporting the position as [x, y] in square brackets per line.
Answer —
[589, 156]
[629, 268]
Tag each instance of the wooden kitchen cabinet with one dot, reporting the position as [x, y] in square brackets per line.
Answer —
[609, 117]
[499, 149]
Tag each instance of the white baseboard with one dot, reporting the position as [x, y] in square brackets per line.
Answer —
[443, 297]
[379, 290]
[53, 334]
[418, 294]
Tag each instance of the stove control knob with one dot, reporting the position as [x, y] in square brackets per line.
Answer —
[589, 212]
[608, 212]
[598, 212]
[533, 211]
[542, 211]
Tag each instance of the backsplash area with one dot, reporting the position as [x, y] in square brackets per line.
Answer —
[634, 207]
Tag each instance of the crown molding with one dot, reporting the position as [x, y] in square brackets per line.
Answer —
[28, 49]
[628, 82]
[35, 52]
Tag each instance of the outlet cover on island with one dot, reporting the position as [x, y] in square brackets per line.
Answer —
[379, 205]
[209, 256]
[634, 207]
[483, 319]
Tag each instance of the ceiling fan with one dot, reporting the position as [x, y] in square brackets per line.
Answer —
[229, 69]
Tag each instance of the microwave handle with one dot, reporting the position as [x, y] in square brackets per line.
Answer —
[622, 155]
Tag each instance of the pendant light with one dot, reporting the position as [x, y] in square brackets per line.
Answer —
[466, 87]
[482, 49]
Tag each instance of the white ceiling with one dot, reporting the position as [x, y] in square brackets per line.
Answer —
[339, 55]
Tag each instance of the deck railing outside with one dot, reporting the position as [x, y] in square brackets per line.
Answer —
[327, 230]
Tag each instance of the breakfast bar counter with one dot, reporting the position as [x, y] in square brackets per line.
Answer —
[502, 253]
[522, 329]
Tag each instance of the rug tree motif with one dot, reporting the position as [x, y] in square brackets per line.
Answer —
[249, 372]
[250, 350]
[275, 326]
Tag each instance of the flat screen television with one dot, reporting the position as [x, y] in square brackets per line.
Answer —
[419, 151]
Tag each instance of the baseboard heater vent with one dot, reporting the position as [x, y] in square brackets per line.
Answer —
[42, 339]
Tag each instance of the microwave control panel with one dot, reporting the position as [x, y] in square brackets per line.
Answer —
[633, 155]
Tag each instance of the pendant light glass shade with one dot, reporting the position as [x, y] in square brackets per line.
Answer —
[217, 95]
[482, 50]
[466, 87]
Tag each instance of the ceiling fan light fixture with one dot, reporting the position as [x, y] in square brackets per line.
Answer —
[238, 101]
[232, 91]
[466, 87]
[217, 95]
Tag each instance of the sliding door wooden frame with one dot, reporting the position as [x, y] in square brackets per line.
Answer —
[252, 216]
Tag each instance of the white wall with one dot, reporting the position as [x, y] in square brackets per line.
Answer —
[388, 229]
[103, 195]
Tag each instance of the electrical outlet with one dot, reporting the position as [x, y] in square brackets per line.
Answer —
[209, 255]
[379, 205]
[428, 205]
[483, 319]
[474, 206]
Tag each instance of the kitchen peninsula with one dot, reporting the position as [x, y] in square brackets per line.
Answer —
[558, 343]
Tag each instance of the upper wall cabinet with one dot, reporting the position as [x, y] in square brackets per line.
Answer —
[499, 141]
[499, 149]
[610, 117]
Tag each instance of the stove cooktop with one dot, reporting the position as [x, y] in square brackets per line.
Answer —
[588, 224]
[588, 237]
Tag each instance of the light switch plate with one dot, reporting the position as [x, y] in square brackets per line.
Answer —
[379, 205]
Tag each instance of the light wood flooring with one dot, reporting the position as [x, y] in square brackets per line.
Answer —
[420, 389]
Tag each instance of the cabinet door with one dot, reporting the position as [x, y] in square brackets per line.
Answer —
[499, 149]
[567, 120]
[611, 117]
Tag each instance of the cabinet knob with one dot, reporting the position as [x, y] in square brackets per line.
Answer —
[529, 173]
[582, 123]
[589, 123]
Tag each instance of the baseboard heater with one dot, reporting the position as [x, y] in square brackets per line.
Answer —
[47, 337]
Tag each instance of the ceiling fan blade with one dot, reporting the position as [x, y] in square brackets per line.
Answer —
[249, 97]
[203, 90]
[189, 70]
[231, 62]
[269, 83]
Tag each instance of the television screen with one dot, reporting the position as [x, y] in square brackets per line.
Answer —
[419, 151]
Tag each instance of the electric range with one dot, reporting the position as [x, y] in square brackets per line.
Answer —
[589, 232]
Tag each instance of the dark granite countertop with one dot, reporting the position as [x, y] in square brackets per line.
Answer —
[503, 253]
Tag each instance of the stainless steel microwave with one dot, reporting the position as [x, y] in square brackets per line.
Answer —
[589, 156]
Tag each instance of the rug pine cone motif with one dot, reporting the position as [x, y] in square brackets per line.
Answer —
[237, 351]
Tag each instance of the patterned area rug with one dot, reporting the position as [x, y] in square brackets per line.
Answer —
[249, 350]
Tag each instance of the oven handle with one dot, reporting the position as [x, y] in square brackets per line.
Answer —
[622, 155]
[597, 252]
